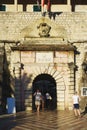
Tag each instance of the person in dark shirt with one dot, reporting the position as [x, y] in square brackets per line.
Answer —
[48, 99]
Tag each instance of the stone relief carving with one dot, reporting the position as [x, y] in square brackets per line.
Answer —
[44, 30]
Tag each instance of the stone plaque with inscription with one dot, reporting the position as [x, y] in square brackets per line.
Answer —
[44, 57]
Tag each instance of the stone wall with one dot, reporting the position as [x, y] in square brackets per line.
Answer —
[81, 76]
[11, 24]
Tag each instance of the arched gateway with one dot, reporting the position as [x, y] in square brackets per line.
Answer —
[45, 83]
[45, 59]
[34, 69]
[48, 79]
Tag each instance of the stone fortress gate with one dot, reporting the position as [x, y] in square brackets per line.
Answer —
[42, 60]
[42, 52]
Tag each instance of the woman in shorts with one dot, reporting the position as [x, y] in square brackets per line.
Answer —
[38, 96]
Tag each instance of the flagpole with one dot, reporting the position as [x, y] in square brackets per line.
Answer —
[41, 5]
[16, 5]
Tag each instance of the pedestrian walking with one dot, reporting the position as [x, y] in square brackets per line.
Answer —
[76, 106]
[38, 98]
[48, 98]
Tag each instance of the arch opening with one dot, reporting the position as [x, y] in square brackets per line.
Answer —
[45, 83]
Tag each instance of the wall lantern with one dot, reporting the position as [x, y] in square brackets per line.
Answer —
[72, 66]
[18, 65]
[84, 66]
[22, 66]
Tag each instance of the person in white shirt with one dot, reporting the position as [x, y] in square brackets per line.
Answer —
[76, 100]
[38, 97]
[48, 99]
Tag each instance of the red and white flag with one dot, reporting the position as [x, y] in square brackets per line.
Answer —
[42, 2]
[48, 5]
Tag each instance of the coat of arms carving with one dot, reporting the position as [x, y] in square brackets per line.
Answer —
[44, 30]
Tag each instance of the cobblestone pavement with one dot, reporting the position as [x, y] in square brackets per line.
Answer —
[46, 120]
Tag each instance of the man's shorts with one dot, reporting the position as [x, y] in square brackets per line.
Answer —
[76, 106]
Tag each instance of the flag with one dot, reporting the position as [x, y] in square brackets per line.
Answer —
[43, 2]
[48, 5]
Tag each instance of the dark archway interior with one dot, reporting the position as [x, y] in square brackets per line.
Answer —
[45, 83]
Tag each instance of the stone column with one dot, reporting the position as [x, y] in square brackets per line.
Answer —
[71, 86]
[69, 5]
[68, 2]
[18, 86]
[16, 5]
[1, 70]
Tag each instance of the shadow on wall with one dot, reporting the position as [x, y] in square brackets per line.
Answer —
[26, 91]
[21, 91]
[7, 91]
